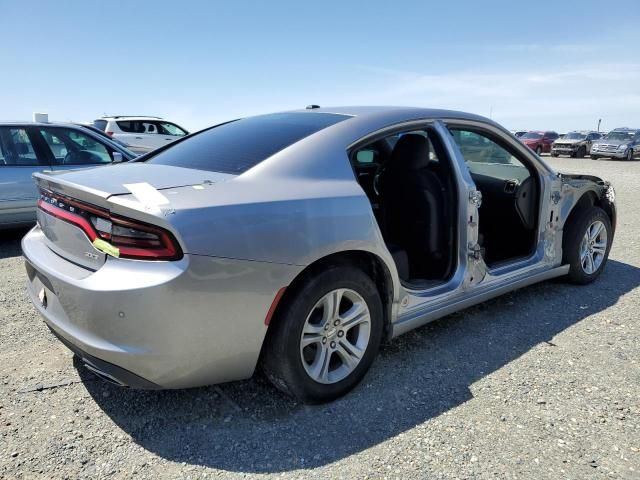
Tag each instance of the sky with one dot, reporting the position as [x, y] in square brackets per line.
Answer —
[558, 65]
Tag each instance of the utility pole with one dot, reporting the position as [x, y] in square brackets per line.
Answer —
[599, 120]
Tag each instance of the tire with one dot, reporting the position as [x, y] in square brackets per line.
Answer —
[553, 154]
[289, 365]
[582, 152]
[539, 151]
[629, 156]
[575, 232]
[594, 157]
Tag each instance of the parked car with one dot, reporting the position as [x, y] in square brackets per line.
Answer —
[620, 143]
[574, 144]
[26, 148]
[103, 134]
[299, 241]
[539, 142]
[142, 134]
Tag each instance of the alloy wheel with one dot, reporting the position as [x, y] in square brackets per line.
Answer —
[593, 247]
[335, 336]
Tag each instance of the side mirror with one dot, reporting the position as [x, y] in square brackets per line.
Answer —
[117, 157]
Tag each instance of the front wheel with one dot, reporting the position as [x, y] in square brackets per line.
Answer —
[326, 336]
[594, 157]
[539, 150]
[586, 244]
[630, 154]
[554, 154]
[582, 152]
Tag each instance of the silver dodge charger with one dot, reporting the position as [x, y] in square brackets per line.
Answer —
[299, 241]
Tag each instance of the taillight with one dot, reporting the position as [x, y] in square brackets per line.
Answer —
[131, 238]
[110, 134]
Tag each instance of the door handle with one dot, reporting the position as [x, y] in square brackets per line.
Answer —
[168, 138]
[138, 138]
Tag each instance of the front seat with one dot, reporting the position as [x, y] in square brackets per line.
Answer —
[413, 199]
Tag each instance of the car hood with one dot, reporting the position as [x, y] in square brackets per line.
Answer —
[610, 142]
[568, 141]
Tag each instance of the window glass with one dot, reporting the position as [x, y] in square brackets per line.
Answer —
[485, 157]
[70, 147]
[167, 128]
[149, 127]
[16, 148]
[393, 139]
[131, 126]
[619, 135]
[237, 146]
[532, 136]
[101, 124]
[366, 156]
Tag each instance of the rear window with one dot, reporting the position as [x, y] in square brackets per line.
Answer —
[237, 146]
[100, 124]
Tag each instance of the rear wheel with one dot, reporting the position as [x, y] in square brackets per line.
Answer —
[327, 336]
[539, 150]
[586, 244]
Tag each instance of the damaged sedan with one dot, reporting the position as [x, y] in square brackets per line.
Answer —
[297, 242]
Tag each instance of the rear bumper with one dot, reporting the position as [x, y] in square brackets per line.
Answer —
[192, 322]
[107, 371]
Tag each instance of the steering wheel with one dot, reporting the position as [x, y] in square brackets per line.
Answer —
[81, 157]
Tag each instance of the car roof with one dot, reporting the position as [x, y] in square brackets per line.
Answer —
[393, 111]
[624, 129]
[130, 117]
[41, 124]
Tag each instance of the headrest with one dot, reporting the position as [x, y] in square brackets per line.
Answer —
[411, 152]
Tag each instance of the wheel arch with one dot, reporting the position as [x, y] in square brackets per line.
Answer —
[369, 262]
[589, 199]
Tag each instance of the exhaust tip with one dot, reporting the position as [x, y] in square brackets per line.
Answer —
[103, 375]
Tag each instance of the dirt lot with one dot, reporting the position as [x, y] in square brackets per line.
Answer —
[541, 383]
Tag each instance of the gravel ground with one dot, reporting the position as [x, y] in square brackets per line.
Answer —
[540, 383]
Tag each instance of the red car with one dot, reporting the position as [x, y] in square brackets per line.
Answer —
[539, 141]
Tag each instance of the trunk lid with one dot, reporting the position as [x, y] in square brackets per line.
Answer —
[87, 193]
[102, 182]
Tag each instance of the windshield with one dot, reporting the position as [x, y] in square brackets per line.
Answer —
[237, 146]
[575, 136]
[532, 135]
[618, 136]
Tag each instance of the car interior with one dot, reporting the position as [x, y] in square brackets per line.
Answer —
[16, 148]
[510, 197]
[410, 182]
[74, 148]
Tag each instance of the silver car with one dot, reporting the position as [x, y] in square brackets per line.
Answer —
[27, 147]
[299, 241]
[620, 143]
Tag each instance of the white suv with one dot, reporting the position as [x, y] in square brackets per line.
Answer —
[140, 134]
